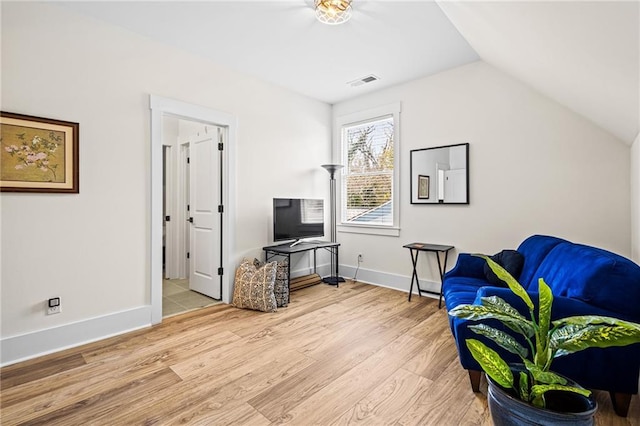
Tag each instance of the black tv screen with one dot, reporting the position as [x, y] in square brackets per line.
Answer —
[295, 218]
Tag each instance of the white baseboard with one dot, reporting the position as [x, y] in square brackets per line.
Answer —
[30, 345]
[322, 270]
[387, 280]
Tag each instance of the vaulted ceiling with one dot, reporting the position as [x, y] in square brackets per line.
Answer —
[584, 55]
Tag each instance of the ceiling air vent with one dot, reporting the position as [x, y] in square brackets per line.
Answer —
[363, 80]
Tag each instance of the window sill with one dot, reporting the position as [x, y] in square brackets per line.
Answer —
[370, 230]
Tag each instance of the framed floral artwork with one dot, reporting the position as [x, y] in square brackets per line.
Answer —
[423, 187]
[38, 154]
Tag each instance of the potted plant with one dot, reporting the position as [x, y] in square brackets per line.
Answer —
[521, 394]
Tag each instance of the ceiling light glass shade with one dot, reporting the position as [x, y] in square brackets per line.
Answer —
[333, 12]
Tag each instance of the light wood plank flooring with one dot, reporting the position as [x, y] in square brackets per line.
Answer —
[353, 354]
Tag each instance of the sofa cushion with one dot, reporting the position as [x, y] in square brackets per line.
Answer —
[510, 260]
[593, 275]
[254, 287]
[535, 249]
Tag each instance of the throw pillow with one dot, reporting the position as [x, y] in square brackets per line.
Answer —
[254, 287]
[281, 285]
[511, 260]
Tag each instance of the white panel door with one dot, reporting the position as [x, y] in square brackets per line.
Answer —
[455, 186]
[204, 198]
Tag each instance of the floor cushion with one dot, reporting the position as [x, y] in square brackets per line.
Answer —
[281, 285]
[254, 286]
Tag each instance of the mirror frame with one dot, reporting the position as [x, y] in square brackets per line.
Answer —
[416, 200]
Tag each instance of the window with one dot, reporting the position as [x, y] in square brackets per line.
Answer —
[369, 184]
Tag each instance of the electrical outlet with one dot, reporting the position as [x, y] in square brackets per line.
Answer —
[359, 257]
[54, 306]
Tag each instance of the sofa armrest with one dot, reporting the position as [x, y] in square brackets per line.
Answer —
[467, 266]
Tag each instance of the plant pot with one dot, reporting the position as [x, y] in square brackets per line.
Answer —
[563, 408]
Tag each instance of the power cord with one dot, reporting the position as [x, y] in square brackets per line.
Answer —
[357, 268]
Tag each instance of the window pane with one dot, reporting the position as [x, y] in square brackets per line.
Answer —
[370, 146]
[369, 198]
[368, 183]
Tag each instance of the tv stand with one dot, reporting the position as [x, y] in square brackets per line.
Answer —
[287, 249]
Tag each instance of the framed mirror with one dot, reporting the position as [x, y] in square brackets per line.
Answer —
[440, 175]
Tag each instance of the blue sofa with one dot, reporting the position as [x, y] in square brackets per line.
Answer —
[585, 281]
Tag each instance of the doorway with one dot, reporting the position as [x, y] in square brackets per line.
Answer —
[192, 223]
[209, 210]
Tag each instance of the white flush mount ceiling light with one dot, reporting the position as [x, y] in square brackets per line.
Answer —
[333, 12]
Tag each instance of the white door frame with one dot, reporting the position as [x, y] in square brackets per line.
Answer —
[169, 236]
[161, 106]
[182, 231]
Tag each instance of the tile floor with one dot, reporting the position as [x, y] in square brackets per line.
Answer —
[177, 298]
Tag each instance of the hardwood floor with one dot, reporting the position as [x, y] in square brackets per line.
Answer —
[353, 354]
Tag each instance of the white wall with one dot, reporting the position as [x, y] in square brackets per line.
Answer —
[635, 200]
[92, 249]
[535, 167]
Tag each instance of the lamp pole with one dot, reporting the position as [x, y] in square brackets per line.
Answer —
[332, 169]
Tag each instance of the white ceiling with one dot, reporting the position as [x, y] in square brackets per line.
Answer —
[283, 43]
[585, 55]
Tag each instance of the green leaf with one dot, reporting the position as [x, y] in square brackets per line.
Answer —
[563, 334]
[575, 337]
[596, 319]
[522, 326]
[491, 363]
[538, 401]
[524, 386]
[544, 313]
[544, 320]
[498, 302]
[516, 322]
[542, 376]
[506, 277]
[503, 340]
[539, 390]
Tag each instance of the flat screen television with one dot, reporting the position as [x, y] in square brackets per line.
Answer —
[297, 218]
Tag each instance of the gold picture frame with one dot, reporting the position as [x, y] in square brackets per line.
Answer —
[38, 154]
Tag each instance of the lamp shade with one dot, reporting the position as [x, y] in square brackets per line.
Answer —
[332, 169]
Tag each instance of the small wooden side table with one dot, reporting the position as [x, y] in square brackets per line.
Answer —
[415, 249]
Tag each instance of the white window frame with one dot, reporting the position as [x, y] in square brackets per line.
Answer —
[346, 120]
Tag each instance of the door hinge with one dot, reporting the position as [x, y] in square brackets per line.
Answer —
[167, 218]
[190, 219]
[188, 255]
[188, 207]
[220, 271]
[188, 160]
[220, 208]
[220, 146]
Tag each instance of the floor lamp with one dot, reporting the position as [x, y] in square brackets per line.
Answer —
[332, 169]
